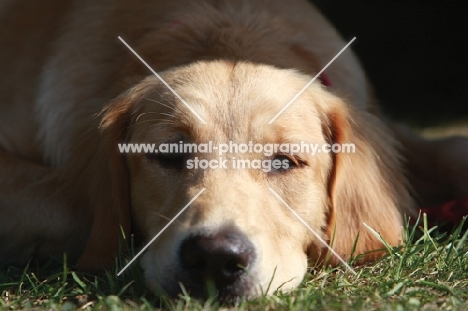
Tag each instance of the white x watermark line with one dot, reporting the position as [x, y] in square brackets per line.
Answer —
[160, 232]
[311, 81]
[313, 231]
[164, 82]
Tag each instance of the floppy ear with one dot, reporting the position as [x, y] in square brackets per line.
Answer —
[108, 190]
[367, 186]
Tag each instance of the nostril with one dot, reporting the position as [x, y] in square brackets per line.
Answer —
[194, 261]
[223, 256]
[233, 266]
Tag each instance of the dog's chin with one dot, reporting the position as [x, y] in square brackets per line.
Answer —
[180, 284]
[243, 288]
[175, 282]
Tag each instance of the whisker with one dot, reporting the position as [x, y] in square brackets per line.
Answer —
[172, 107]
[171, 103]
[167, 114]
[160, 121]
[142, 114]
[167, 123]
[166, 217]
[144, 121]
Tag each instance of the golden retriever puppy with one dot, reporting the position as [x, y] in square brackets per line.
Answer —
[70, 92]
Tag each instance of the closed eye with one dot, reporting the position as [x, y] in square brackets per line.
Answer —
[288, 162]
[176, 161]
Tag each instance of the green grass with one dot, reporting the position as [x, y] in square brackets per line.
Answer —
[430, 272]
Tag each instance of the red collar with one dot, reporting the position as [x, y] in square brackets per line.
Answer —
[325, 79]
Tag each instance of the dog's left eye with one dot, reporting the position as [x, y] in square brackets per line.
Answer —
[288, 162]
[169, 160]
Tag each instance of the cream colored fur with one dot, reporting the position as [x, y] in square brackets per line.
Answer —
[65, 187]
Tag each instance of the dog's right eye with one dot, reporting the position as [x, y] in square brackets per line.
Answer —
[169, 160]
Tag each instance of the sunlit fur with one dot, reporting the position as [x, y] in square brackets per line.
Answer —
[72, 91]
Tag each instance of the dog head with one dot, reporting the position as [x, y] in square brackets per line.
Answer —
[243, 235]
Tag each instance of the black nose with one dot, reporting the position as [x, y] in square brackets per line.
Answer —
[221, 257]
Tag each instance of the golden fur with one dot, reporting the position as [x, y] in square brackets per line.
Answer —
[70, 91]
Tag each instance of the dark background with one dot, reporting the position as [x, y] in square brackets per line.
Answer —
[414, 53]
